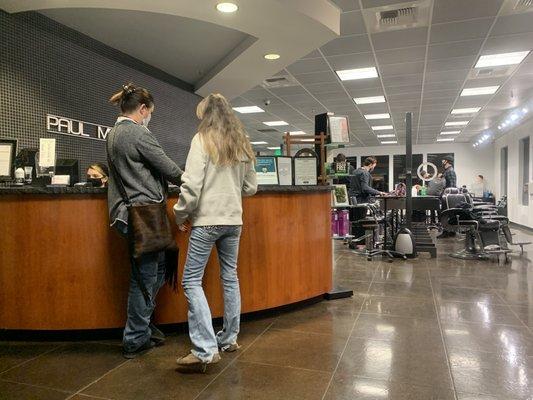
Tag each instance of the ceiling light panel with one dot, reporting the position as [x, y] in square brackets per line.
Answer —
[275, 123]
[358, 73]
[470, 110]
[494, 60]
[456, 123]
[377, 116]
[445, 140]
[248, 109]
[390, 142]
[385, 136]
[369, 100]
[382, 127]
[450, 132]
[258, 143]
[480, 91]
[297, 133]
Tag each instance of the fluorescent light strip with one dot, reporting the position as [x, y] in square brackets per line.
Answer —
[258, 143]
[275, 123]
[297, 133]
[357, 73]
[377, 116]
[386, 136]
[479, 91]
[248, 109]
[274, 148]
[369, 100]
[382, 127]
[494, 60]
[445, 140]
[456, 123]
[450, 132]
[470, 110]
[390, 142]
[307, 140]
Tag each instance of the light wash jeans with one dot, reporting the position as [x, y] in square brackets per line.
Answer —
[151, 269]
[226, 238]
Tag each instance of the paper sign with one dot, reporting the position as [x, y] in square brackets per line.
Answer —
[47, 153]
[5, 159]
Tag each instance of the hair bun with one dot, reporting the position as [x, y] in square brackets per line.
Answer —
[128, 89]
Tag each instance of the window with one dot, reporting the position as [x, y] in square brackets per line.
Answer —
[524, 171]
[504, 165]
[380, 175]
[399, 168]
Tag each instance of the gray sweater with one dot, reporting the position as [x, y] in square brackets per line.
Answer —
[142, 165]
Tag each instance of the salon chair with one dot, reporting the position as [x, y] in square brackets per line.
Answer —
[482, 234]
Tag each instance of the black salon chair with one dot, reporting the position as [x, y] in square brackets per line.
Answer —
[482, 235]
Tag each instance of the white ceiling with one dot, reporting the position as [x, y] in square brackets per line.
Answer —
[135, 33]
[421, 70]
[230, 48]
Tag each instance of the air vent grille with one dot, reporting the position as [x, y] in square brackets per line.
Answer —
[413, 14]
[492, 72]
[279, 81]
[511, 7]
[523, 5]
[407, 15]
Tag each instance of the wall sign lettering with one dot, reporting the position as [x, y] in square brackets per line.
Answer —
[73, 127]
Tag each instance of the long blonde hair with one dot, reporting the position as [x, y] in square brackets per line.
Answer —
[222, 133]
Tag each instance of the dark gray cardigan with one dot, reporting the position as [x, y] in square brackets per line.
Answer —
[142, 165]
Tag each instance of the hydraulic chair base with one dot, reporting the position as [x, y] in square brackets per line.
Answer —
[470, 252]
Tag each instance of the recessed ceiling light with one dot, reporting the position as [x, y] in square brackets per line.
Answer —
[382, 127]
[456, 123]
[271, 56]
[445, 140]
[385, 136]
[227, 7]
[389, 142]
[258, 143]
[479, 90]
[470, 110]
[307, 140]
[298, 133]
[276, 123]
[377, 116]
[369, 100]
[248, 109]
[358, 73]
[493, 60]
[274, 148]
[450, 133]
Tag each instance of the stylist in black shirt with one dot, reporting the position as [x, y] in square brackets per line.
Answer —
[361, 188]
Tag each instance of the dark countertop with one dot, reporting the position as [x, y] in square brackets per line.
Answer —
[21, 190]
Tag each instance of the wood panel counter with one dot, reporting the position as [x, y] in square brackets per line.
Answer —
[62, 267]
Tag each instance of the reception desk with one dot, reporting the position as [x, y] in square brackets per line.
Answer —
[62, 267]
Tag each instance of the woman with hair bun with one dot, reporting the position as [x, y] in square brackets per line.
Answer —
[139, 165]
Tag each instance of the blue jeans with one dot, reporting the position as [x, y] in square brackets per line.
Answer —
[203, 238]
[151, 269]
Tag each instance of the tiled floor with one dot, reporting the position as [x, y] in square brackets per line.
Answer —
[416, 329]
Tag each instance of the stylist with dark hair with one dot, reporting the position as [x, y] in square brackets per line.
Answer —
[143, 169]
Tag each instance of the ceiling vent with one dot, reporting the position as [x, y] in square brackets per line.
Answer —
[279, 81]
[492, 72]
[516, 7]
[413, 14]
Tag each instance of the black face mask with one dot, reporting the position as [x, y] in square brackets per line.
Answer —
[96, 182]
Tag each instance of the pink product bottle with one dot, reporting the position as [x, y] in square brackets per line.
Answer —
[344, 223]
[334, 223]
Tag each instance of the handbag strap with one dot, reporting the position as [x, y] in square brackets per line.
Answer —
[121, 188]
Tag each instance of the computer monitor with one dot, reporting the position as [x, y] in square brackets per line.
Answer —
[8, 151]
[70, 167]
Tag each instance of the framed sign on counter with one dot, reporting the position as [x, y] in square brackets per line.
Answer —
[8, 151]
[266, 171]
[284, 170]
[305, 171]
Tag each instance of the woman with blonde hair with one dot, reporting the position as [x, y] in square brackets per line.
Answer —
[219, 171]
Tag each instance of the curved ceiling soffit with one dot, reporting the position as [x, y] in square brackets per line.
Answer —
[291, 28]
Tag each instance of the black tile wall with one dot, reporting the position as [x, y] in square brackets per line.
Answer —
[47, 68]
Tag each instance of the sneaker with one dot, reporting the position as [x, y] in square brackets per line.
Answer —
[190, 360]
[149, 345]
[230, 348]
[157, 337]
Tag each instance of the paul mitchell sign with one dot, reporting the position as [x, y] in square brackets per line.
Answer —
[73, 127]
